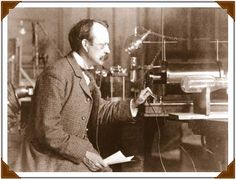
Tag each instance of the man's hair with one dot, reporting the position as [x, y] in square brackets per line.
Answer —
[82, 30]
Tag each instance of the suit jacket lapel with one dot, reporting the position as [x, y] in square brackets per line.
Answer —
[78, 72]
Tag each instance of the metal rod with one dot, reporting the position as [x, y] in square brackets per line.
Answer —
[159, 42]
[111, 79]
[162, 33]
[36, 50]
[123, 91]
[217, 50]
[164, 49]
[220, 42]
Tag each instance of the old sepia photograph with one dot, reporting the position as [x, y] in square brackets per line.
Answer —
[117, 89]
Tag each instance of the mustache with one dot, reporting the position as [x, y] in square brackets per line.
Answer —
[105, 57]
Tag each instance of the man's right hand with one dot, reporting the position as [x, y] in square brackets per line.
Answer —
[142, 97]
[94, 162]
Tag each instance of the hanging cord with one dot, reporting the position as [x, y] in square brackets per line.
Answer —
[155, 57]
[169, 37]
[203, 142]
[177, 38]
[188, 155]
[194, 167]
[159, 139]
[164, 36]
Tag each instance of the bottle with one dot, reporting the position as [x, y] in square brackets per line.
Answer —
[135, 42]
[195, 84]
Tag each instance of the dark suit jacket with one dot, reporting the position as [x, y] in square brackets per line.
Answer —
[56, 139]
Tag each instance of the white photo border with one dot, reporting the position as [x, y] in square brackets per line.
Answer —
[110, 4]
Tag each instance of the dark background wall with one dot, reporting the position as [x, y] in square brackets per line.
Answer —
[199, 27]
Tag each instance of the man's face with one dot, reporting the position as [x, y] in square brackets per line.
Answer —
[98, 49]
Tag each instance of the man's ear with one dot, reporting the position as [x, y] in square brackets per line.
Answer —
[85, 44]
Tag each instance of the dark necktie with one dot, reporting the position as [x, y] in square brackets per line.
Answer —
[92, 83]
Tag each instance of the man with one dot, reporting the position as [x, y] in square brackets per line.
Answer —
[67, 107]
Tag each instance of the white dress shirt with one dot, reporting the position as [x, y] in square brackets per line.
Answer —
[82, 64]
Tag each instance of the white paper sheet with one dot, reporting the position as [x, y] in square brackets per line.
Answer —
[116, 158]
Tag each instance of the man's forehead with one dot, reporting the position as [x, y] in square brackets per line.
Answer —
[100, 32]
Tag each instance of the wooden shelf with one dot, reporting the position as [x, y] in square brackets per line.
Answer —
[214, 116]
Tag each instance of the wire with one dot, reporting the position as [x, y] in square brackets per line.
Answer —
[164, 36]
[210, 152]
[159, 139]
[193, 164]
[155, 58]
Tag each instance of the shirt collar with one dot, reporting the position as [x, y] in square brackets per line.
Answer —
[81, 62]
